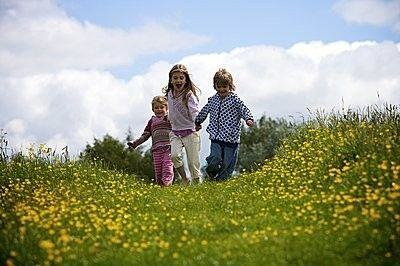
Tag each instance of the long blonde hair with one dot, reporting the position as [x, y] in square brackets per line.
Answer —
[189, 85]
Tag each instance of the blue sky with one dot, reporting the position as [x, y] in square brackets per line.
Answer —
[71, 71]
[233, 23]
[228, 24]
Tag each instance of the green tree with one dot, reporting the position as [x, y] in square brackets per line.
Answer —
[115, 155]
[261, 142]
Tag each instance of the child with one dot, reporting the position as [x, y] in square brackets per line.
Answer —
[159, 128]
[183, 104]
[225, 109]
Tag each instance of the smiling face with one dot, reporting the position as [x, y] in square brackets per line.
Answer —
[178, 80]
[159, 109]
[223, 82]
[223, 89]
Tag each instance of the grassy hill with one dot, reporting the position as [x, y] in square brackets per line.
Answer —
[329, 197]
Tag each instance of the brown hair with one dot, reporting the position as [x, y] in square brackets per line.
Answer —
[189, 86]
[159, 99]
[222, 77]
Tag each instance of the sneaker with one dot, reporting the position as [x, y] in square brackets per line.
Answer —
[212, 172]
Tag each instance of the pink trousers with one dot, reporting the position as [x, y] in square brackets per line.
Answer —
[163, 166]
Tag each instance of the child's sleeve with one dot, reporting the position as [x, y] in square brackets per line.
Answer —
[145, 135]
[193, 106]
[244, 111]
[203, 114]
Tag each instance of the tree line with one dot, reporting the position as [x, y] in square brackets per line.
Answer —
[257, 144]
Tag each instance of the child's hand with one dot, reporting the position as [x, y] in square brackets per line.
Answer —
[132, 144]
[197, 127]
[250, 123]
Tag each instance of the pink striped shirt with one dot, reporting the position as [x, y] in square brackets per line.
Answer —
[158, 129]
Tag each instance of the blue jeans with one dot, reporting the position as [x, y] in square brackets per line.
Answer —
[222, 159]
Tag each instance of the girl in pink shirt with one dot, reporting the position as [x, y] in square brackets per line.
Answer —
[183, 109]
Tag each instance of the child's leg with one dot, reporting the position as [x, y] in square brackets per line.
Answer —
[167, 169]
[214, 160]
[192, 147]
[157, 162]
[176, 155]
[229, 162]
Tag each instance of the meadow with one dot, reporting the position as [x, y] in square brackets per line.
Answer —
[330, 196]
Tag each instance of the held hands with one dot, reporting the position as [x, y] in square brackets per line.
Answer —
[250, 123]
[132, 144]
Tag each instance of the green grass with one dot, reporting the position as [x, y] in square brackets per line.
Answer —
[329, 197]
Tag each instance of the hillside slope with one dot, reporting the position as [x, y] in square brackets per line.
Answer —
[329, 196]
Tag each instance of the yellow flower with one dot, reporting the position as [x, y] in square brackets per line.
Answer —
[65, 238]
[345, 168]
[46, 244]
[13, 253]
[22, 230]
[10, 262]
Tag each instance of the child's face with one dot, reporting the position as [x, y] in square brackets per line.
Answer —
[178, 80]
[160, 110]
[223, 90]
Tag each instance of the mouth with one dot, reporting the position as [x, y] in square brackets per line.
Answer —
[179, 86]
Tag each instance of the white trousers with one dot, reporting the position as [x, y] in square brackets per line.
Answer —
[191, 143]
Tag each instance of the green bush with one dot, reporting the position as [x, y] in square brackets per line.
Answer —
[261, 142]
[115, 155]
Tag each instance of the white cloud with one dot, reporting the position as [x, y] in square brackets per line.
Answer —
[375, 12]
[37, 36]
[16, 126]
[317, 50]
[70, 107]
[281, 82]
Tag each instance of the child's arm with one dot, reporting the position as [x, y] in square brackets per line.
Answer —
[202, 116]
[246, 113]
[145, 136]
[193, 106]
